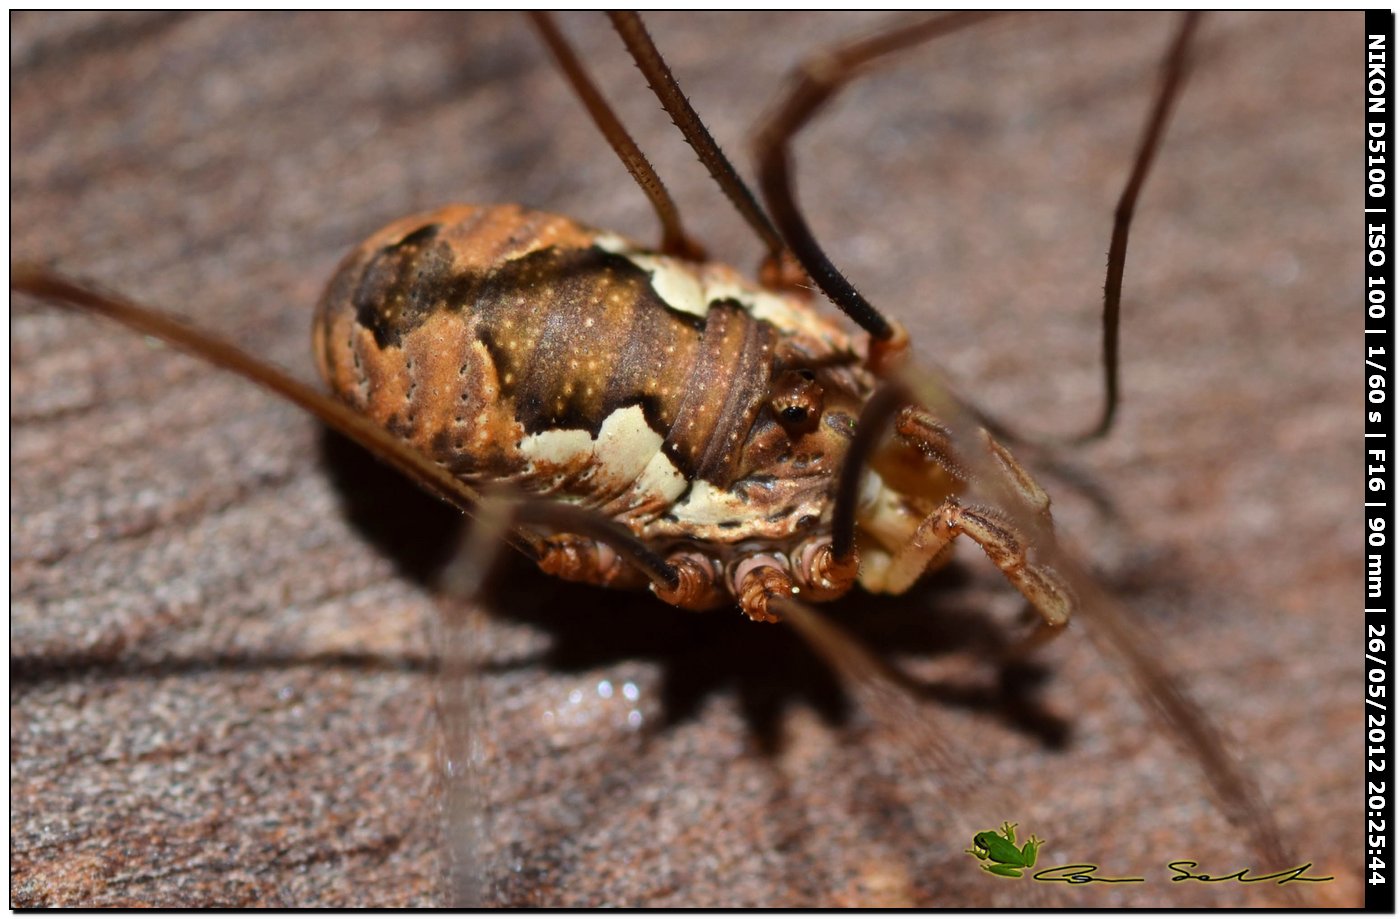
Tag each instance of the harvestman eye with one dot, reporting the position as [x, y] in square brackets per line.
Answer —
[797, 401]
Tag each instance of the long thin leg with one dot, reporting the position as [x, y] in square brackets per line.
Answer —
[674, 239]
[467, 819]
[821, 76]
[46, 285]
[887, 698]
[874, 418]
[778, 268]
[816, 80]
[40, 282]
[1173, 74]
[1174, 67]
[566, 518]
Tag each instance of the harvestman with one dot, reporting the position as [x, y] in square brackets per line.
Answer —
[751, 467]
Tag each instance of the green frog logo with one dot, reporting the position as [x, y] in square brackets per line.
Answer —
[999, 851]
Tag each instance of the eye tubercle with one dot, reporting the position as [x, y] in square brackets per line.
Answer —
[796, 401]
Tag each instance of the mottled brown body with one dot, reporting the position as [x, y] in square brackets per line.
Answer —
[708, 415]
[518, 347]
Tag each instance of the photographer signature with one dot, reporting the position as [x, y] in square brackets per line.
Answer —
[1000, 855]
[1084, 874]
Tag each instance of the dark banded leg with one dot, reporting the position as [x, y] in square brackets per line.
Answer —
[822, 75]
[875, 416]
[891, 403]
[674, 239]
[779, 268]
[815, 81]
[1002, 542]
[1173, 75]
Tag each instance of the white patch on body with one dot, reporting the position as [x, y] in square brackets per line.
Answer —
[772, 308]
[673, 281]
[626, 452]
[707, 505]
[689, 289]
[626, 444]
[661, 479]
[557, 448]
